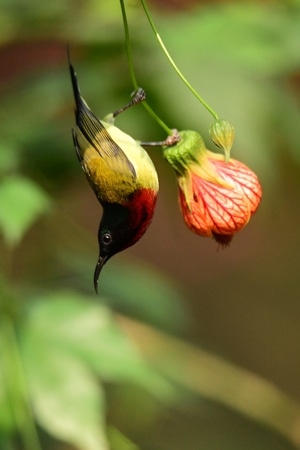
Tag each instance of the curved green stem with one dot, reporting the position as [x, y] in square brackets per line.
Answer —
[132, 74]
[170, 59]
[127, 45]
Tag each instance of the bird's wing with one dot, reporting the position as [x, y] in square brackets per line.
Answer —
[99, 138]
[91, 133]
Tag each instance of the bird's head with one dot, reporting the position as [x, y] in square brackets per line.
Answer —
[122, 226]
[114, 235]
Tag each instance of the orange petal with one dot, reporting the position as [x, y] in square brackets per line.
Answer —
[215, 209]
[243, 178]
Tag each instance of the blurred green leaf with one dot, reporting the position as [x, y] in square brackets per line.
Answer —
[118, 441]
[7, 422]
[256, 37]
[75, 325]
[67, 399]
[22, 202]
[65, 339]
[68, 18]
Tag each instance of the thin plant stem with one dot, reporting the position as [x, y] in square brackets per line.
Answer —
[131, 69]
[15, 385]
[127, 45]
[170, 59]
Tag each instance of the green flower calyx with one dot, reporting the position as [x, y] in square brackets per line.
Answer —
[189, 150]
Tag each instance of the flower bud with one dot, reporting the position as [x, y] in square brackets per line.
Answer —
[222, 134]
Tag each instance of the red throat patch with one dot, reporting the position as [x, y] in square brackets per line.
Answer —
[141, 206]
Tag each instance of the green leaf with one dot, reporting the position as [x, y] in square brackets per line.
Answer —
[22, 201]
[66, 341]
[67, 399]
[88, 331]
[120, 442]
[7, 422]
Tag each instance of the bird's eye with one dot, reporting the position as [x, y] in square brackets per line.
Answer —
[107, 238]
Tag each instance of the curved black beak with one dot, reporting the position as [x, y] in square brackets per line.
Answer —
[101, 261]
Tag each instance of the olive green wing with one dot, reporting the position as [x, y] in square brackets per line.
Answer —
[90, 134]
[95, 135]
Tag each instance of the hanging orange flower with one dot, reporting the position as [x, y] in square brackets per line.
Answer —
[217, 196]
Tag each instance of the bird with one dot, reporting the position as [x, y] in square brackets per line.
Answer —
[120, 172]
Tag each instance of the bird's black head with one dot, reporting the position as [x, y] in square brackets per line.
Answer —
[115, 234]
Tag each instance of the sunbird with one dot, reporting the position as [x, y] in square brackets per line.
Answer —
[121, 174]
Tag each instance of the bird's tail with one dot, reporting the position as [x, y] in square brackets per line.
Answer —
[84, 116]
[76, 91]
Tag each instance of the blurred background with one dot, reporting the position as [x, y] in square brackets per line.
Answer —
[188, 346]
